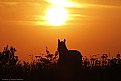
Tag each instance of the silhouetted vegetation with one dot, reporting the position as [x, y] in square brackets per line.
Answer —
[98, 67]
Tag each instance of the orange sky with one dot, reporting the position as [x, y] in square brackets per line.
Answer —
[93, 27]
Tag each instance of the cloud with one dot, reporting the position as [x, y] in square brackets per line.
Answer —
[21, 12]
[33, 10]
[8, 3]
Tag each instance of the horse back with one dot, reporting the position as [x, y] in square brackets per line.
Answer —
[75, 54]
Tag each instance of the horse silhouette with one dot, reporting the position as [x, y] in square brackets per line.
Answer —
[69, 61]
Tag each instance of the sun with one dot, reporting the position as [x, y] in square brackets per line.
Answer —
[56, 15]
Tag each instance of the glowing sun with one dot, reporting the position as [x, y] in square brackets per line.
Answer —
[56, 15]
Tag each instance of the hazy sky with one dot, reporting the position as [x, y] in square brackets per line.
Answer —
[93, 26]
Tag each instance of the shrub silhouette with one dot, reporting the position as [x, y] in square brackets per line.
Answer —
[8, 56]
[45, 69]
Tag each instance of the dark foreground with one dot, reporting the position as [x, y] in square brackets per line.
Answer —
[50, 73]
[46, 69]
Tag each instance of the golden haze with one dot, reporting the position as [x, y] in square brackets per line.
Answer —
[92, 27]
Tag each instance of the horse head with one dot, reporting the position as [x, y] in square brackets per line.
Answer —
[62, 46]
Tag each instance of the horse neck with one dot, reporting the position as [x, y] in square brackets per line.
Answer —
[63, 52]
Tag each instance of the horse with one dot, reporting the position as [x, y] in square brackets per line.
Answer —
[69, 61]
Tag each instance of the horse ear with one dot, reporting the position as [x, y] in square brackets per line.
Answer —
[64, 40]
[58, 40]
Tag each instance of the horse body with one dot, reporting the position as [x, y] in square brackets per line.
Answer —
[69, 62]
[71, 57]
